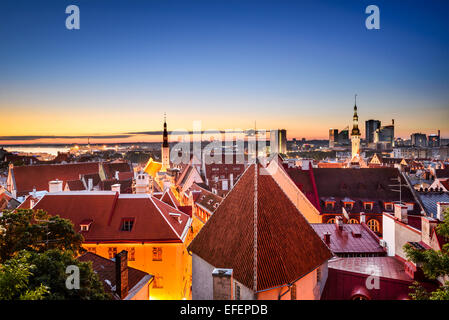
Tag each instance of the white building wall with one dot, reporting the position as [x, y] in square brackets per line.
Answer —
[389, 233]
[202, 285]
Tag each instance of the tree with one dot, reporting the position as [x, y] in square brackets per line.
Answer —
[435, 264]
[35, 251]
[37, 231]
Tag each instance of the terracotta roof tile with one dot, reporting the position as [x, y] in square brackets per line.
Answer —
[288, 247]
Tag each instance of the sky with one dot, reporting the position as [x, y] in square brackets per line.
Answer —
[227, 63]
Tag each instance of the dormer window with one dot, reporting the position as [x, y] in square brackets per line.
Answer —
[348, 205]
[85, 225]
[329, 205]
[368, 206]
[127, 224]
[388, 206]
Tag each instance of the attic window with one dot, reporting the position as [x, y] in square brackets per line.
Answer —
[329, 205]
[348, 205]
[127, 224]
[388, 206]
[368, 206]
[85, 225]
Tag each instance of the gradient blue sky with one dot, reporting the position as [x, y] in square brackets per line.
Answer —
[288, 64]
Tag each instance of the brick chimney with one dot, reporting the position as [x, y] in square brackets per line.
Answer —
[400, 212]
[121, 274]
[116, 187]
[441, 207]
[90, 184]
[427, 226]
[55, 186]
[222, 284]
[327, 238]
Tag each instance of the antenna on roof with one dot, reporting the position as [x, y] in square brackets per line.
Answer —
[397, 185]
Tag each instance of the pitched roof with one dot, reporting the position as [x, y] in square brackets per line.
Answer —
[169, 198]
[105, 269]
[442, 173]
[111, 167]
[430, 199]
[353, 239]
[75, 185]
[38, 176]
[152, 219]
[287, 246]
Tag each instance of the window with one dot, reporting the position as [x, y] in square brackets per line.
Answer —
[388, 206]
[92, 250]
[112, 251]
[368, 206]
[331, 220]
[329, 206]
[348, 205]
[353, 221]
[84, 227]
[373, 224]
[127, 224]
[158, 282]
[131, 254]
[318, 275]
[157, 254]
[237, 292]
[293, 292]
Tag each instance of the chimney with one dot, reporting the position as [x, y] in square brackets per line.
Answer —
[231, 180]
[116, 187]
[222, 280]
[441, 207]
[327, 238]
[55, 186]
[400, 212]
[90, 184]
[117, 175]
[121, 274]
[31, 203]
[427, 226]
[362, 217]
[339, 223]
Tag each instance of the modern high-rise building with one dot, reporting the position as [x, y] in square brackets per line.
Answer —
[278, 141]
[333, 137]
[370, 128]
[385, 135]
[434, 140]
[419, 140]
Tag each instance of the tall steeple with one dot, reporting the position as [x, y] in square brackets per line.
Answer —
[355, 134]
[165, 150]
[165, 136]
[355, 120]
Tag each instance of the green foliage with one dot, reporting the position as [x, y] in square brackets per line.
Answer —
[14, 280]
[435, 264]
[36, 231]
[35, 251]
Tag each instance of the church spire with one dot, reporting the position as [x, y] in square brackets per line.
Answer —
[355, 120]
[165, 136]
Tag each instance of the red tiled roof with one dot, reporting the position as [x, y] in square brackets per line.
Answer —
[152, 221]
[26, 204]
[344, 241]
[29, 177]
[75, 185]
[111, 167]
[169, 198]
[287, 246]
[105, 269]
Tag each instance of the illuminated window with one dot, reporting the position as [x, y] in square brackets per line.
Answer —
[158, 282]
[353, 221]
[127, 224]
[293, 292]
[373, 224]
[359, 297]
[331, 220]
[92, 249]
[112, 251]
[131, 254]
[157, 254]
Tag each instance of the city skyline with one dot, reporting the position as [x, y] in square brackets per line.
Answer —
[295, 66]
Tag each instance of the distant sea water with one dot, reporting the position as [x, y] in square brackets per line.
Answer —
[37, 149]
